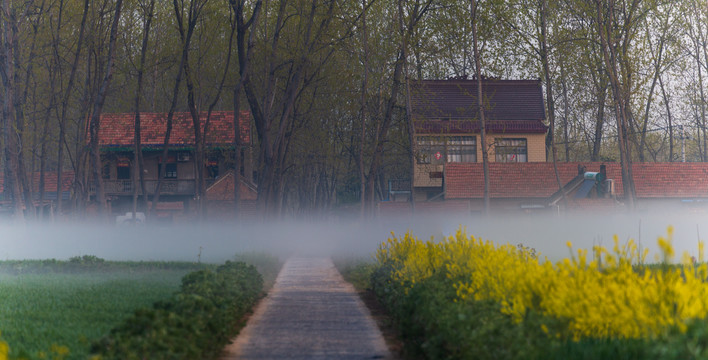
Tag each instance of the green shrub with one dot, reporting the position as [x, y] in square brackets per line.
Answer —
[196, 324]
[432, 325]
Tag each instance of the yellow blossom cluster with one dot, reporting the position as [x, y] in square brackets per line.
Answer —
[606, 294]
[4, 350]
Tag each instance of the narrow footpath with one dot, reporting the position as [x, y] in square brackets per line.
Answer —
[310, 313]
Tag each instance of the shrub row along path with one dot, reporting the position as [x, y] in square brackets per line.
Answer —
[310, 313]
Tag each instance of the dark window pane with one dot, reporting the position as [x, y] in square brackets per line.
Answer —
[123, 172]
[170, 170]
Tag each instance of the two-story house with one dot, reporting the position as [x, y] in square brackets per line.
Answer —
[178, 189]
[446, 126]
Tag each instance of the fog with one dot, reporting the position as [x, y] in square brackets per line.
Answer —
[349, 238]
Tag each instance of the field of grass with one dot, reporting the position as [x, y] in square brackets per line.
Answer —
[55, 309]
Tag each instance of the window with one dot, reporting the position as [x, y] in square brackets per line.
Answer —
[462, 149]
[170, 169]
[511, 150]
[437, 149]
[123, 169]
[431, 150]
[212, 168]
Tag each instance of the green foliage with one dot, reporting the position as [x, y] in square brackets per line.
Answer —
[433, 325]
[195, 324]
[266, 264]
[51, 307]
[86, 259]
[91, 264]
[357, 273]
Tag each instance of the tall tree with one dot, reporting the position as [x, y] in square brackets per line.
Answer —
[99, 100]
[138, 161]
[8, 68]
[67, 92]
[244, 30]
[480, 103]
[616, 36]
[364, 90]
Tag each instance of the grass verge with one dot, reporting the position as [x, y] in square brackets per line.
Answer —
[56, 311]
[358, 273]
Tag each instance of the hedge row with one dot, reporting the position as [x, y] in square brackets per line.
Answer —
[90, 264]
[195, 324]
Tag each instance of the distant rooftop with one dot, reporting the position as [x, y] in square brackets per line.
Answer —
[448, 106]
[118, 129]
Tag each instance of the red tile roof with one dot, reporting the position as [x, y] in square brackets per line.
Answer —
[537, 180]
[117, 129]
[50, 181]
[449, 106]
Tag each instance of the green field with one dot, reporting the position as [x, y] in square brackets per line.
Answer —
[49, 307]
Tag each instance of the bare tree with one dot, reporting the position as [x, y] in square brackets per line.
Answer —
[615, 36]
[480, 103]
[10, 135]
[138, 162]
[245, 52]
[97, 109]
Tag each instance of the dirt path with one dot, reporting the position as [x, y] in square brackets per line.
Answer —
[311, 313]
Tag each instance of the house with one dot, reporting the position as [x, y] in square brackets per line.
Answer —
[179, 187]
[446, 125]
[47, 204]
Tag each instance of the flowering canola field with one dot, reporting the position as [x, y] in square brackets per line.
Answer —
[608, 293]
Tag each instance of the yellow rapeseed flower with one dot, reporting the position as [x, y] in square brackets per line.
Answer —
[599, 296]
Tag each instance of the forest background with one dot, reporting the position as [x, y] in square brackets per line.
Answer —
[326, 81]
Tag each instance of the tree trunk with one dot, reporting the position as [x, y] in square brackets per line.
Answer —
[244, 60]
[377, 156]
[668, 116]
[550, 102]
[409, 112]
[66, 97]
[566, 108]
[138, 162]
[10, 135]
[605, 27]
[480, 106]
[193, 16]
[97, 109]
[364, 89]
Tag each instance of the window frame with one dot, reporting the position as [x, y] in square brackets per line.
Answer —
[170, 167]
[426, 149]
[463, 147]
[457, 148]
[124, 169]
[510, 150]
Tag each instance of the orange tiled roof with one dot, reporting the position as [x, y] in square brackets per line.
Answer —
[117, 129]
[537, 180]
[50, 181]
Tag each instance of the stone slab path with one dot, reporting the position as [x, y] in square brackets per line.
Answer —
[310, 313]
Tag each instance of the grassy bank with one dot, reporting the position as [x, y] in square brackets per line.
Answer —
[59, 313]
[56, 309]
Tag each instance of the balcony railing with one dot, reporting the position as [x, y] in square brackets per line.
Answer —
[169, 187]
